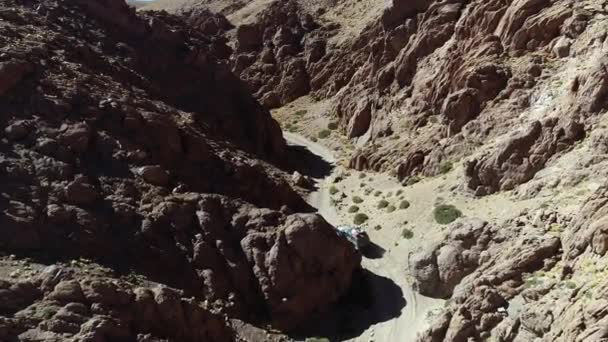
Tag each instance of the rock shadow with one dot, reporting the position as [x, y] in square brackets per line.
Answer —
[300, 159]
[373, 251]
[372, 299]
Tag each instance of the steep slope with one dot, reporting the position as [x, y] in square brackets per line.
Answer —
[127, 144]
[482, 102]
[437, 73]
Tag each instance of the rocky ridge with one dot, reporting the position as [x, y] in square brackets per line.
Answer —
[127, 141]
[495, 59]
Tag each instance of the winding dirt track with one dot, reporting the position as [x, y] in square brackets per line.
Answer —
[411, 319]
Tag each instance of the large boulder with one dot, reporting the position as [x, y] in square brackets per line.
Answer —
[438, 269]
[301, 269]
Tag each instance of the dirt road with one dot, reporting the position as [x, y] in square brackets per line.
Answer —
[391, 322]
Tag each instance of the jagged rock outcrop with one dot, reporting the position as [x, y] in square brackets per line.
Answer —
[440, 268]
[54, 306]
[525, 287]
[455, 65]
[274, 54]
[518, 160]
[448, 75]
[127, 140]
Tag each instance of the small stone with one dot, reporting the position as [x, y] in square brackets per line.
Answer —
[17, 130]
[57, 213]
[78, 192]
[154, 175]
[77, 137]
[562, 47]
[67, 291]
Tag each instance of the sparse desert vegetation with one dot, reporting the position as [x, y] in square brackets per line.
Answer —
[382, 204]
[333, 190]
[404, 204]
[413, 180]
[407, 233]
[324, 134]
[446, 167]
[360, 218]
[446, 213]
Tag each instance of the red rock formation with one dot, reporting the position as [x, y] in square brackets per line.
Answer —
[128, 141]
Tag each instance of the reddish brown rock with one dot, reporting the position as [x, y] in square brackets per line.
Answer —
[131, 168]
[12, 72]
[18, 130]
[77, 137]
[154, 175]
[80, 192]
[518, 160]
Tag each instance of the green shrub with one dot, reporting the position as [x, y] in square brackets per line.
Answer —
[48, 312]
[333, 190]
[407, 234]
[404, 204]
[353, 209]
[390, 208]
[357, 199]
[360, 218]
[446, 213]
[378, 227]
[362, 185]
[570, 285]
[413, 180]
[317, 339]
[533, 281]
[314, 139]
[361, 175]
[324, 134]
[332, 126]
[399, 192]
[389, 194]
[301, 112]
[382, 204]
[446, 167]
[377, 193]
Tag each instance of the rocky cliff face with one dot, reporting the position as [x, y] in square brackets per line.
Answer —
[438, 77]
[464, 73]
[127, 141]
[540, 276]
[511, 90]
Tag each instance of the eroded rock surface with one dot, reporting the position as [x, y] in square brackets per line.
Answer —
[127, 140]
[428, 82]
